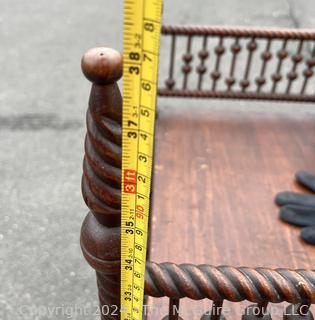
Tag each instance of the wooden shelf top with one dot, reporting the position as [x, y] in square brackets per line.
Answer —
[216, 176]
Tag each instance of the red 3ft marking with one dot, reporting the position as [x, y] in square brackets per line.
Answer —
[130, 181]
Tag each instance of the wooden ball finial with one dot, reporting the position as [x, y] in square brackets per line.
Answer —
[102, 65]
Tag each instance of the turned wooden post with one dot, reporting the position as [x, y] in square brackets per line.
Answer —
[100, 233]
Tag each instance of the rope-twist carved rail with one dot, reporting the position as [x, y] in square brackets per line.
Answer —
[229, 283]
[305, 34]
[233, 95]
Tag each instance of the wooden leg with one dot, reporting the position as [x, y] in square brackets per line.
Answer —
[100, 233]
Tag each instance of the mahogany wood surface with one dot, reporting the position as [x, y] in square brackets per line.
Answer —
[216, 175]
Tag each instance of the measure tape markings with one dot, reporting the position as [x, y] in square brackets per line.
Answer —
[141, 44]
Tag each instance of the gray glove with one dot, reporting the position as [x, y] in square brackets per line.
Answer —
[299, 208]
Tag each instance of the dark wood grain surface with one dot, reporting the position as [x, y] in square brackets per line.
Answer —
[216, 175]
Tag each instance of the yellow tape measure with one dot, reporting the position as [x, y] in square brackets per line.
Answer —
[142, 24]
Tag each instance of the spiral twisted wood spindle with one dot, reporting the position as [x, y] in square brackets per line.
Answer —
[100, 233]
[258, 285]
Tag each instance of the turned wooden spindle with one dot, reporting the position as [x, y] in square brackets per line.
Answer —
[257, 312]
[215, 313]
[298, 312]
[100, 233]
